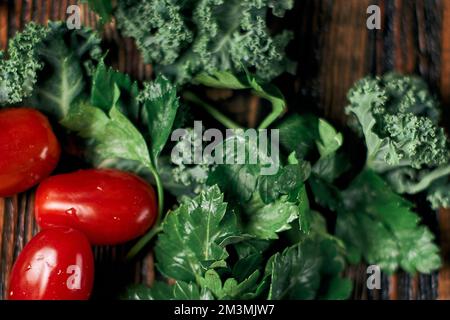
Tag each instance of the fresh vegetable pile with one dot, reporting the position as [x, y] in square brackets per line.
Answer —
[219, 231]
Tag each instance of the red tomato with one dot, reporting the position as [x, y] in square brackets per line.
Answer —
[29, 150]
[57, 264]
[108, 206]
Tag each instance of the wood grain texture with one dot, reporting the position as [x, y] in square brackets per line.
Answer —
[444, 216]
[333, 48]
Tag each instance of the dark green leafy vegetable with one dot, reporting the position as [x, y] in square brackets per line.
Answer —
[288, 181]
[230, 289]
[160, 105]
[102, 94]
[377, 224]
[193, 237]
[304, 270]
[69, 57]
[163, 291]
[399, 119]
[264, 221]
[111, 136]
[183, 39]
[19, 67]
[49, 65]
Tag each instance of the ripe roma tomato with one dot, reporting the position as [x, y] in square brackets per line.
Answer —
[108, 206]
[57, 264]
[29, 151]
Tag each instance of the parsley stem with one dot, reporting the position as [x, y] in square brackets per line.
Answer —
[143, 241]
[227, 122]
[157, 226]
[160, 191]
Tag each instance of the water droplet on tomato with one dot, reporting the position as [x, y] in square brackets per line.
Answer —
[71, 212]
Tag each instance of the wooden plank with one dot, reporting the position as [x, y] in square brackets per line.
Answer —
[3, 25]
[444, 215]
[445, 66]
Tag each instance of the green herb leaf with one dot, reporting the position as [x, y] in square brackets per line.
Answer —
[380, 225]
[330, 140]
[162, 291]
[298, 272]
[230, 289]
[239, 181]
[304, 211]
[160, 102]
[264, 221]
[192, 237]
[110, 136]
[288, 181]
[331, 166]
[104, 80]
[325, 194]
[439, 194]
[244, 267]
[299, 134]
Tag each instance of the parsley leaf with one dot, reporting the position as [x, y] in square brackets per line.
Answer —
[381, 226]
[110, 136]
[162, 291]
[310, 269]
[193, 237]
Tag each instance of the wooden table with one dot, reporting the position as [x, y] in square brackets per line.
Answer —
[333, 48]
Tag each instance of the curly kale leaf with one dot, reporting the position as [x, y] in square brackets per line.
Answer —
[439, 194]
[49, 66]
[158, 27]
[398, 117]
[279, 7]
[185, 38]
[69, 57]
[19, 67]
[411, 181]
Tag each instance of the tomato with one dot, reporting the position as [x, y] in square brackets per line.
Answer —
[108, 206]
[29, 150]
[57, 264]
